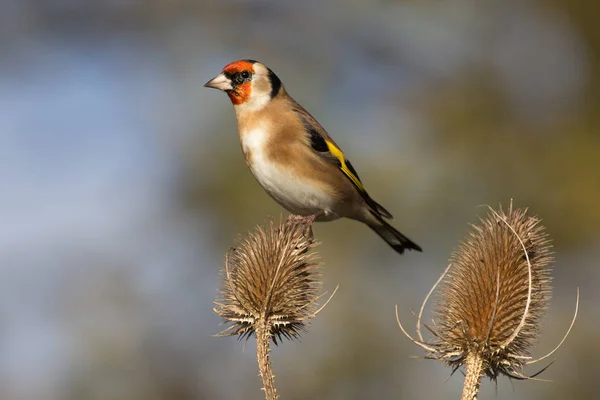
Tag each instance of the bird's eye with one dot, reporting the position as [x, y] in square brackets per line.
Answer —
[242, 77]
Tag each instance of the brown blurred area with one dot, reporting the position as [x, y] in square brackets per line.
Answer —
[124, 185]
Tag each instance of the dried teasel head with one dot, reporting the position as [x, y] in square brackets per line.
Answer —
[494, 294]
[491, 299]
[270, 278]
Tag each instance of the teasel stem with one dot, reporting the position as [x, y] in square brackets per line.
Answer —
[474, 365]
[263, 350]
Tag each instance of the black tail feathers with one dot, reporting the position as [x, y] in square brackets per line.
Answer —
[395, 239]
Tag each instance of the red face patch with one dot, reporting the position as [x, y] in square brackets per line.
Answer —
[240, 94]
[239, 66]
[242, 91]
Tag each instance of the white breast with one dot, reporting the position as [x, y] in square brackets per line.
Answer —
[298, 196]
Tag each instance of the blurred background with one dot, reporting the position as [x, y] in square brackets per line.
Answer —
[122, 185]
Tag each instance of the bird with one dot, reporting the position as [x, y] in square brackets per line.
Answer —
[293, 157]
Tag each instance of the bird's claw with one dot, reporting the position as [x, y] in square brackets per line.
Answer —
[307, 221]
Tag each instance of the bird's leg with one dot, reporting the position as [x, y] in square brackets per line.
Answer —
[304, 220]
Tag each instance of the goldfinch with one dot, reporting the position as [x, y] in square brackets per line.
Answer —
[293, 158]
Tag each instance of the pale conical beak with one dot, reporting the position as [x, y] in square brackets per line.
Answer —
[220, 82]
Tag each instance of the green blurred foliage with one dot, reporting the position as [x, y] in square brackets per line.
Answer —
[550, 166]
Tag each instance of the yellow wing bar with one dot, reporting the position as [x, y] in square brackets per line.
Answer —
[337, 153]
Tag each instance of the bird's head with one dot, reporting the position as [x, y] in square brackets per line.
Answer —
[248, 83]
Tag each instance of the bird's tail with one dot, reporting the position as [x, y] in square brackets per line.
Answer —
[395, 239]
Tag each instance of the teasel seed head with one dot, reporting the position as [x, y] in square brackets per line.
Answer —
[270, 289]
[495, 293]
[271, 276]
[492, 297]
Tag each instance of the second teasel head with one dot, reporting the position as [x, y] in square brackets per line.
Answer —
[494, 294]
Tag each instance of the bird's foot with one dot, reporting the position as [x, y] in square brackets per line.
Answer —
[306, 221]
[302, 219]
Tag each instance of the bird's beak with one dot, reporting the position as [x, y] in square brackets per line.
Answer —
[220, 82]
